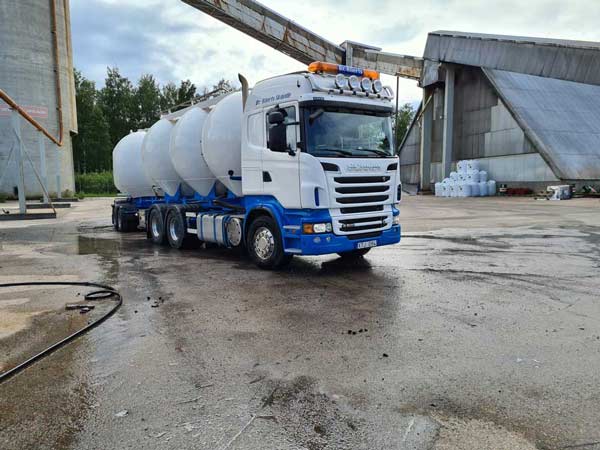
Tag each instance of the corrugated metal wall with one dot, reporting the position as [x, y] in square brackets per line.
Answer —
[484, 129]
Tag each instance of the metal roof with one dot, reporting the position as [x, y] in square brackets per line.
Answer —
[561, 118]
[553, 58]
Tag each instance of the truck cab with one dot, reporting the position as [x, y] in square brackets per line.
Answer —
[318, 158]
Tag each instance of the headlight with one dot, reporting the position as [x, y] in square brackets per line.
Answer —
[377, 86]
[366, 84]
[341, 81]
[396, 220]
[354, 82]
[313, 228]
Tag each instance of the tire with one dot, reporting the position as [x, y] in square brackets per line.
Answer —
[354, 254]
[156, 226]
[265, 245]
[175, 229]
[115, 222]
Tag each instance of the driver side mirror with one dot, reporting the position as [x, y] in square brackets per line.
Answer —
[277, 132]
[278, 136]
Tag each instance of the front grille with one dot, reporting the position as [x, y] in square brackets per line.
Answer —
[361, 189]
[362, 223]
[362, 220]
[353, 180]
[362, 199]
[361, 209]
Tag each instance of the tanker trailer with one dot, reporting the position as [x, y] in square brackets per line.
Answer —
[302, 164]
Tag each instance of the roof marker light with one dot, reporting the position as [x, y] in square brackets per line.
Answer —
[377, 86]
[366, 84]
[319, 66]
[354, 82]
[341, 81]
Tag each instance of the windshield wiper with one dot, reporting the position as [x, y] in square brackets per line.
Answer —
[336, 150]
[375, 150]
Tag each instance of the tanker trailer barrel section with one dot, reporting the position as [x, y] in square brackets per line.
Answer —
[304, 166]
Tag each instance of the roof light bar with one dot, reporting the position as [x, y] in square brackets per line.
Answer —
[319, 66]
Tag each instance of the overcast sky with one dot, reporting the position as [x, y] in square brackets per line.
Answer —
[174, 41]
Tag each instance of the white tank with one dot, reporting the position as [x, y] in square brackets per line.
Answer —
[483, 189]
[186, 151]
[483, 175]
[473, 176]
[157, 161]
[128, 173]
[491, 188]
[472, 164]
[474, 189]
[221, 142]
[438, 189]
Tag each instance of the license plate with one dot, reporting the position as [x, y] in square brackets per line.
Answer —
[366, 244]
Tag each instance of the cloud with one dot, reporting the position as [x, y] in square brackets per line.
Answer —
[174, 41]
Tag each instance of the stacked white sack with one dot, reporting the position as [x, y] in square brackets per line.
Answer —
[466, 181]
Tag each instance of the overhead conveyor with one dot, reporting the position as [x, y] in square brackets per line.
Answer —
[302, 44]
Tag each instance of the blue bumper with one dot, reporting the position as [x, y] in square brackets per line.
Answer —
[321, 244]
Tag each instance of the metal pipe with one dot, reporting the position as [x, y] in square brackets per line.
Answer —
[244, 84]
[10, 102]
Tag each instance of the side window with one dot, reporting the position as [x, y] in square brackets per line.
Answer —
[255, 130]
[289, 113]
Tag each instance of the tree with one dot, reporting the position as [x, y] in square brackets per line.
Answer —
[147, 100]
[91, 146]
[404, 117]
[172, 95]
[118, 104]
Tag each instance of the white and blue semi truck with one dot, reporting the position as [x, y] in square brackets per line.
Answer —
[302, 164]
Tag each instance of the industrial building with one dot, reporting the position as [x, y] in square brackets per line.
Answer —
[527, 108]
[36, 71]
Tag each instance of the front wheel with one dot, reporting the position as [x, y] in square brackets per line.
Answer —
[354, 254]
[265, 245]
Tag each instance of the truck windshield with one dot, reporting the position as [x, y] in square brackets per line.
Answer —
[337, 132]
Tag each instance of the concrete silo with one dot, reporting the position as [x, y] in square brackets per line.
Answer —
[36, 71]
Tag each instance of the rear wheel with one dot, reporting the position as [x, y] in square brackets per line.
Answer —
[355, 254]
[176, 232]
[115, 215]
[156, 226]
[265, 245]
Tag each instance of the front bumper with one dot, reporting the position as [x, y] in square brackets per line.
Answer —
[326, 243]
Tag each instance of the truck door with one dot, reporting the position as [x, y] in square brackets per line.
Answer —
[281, 170]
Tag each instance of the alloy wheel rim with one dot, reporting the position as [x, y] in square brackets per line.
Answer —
[264, 243]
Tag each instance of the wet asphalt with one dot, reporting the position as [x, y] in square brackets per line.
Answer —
[480, 330]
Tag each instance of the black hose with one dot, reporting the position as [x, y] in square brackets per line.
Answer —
[104, 292]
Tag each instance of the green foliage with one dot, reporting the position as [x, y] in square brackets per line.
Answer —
[106, 116]
[95, 183]
[91, 146]
[146, 102]
[3, 197]
[404, 118]
[117, 99]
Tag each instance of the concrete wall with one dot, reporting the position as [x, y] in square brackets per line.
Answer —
[484, 129]
[27, 74]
